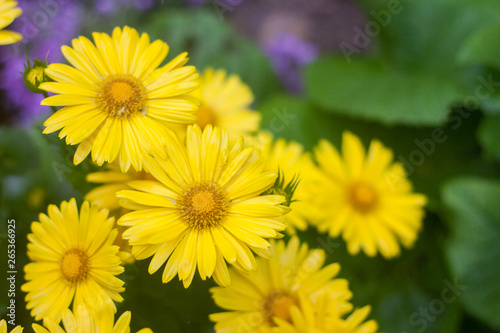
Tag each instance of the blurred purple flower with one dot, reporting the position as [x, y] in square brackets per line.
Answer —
[46, 26]
[112, 6]
[289, 53]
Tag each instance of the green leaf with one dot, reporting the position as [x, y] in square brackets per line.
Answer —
[426, 35]
[473, 249]
[483, 47]
[369, 90]
[491, 105]
[489, 136]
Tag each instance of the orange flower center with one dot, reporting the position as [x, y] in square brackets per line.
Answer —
[206, 116]
[203, 205]
[362, 197]
[278, 304]
[75, 265]
[122, 95]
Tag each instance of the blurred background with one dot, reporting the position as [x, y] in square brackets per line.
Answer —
[422, 76]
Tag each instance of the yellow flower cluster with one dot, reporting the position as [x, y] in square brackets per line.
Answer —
[195, 185]
[289, 293]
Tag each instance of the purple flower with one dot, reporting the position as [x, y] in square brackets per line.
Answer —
[46, 25]
[289, 53]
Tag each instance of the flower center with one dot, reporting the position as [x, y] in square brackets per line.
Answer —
[278, 304]
[362, 197]
[205, 117]
[121, 95]
[203, 205]
[75, 265]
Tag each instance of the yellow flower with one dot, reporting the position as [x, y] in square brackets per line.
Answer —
[8, 13]
[366, 197]
[324, 317]
[73, 260]
[112, 180]
[226, 104]
[259, 299]
[289, 158]
[84, 320]
[204, 209]
[118, 103]
[3, 327]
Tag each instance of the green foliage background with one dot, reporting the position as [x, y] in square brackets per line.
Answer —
[417, 85]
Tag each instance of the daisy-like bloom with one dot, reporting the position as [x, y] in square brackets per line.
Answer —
[259, 299]
[73, 259]
[366, 197]
[204, 209]
[118, 103]
[8, 13]
[289, 158]
[226, 104]
[324, 317]
[84, 320]
[3, 327]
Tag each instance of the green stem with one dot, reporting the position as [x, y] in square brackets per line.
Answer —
[52, 107]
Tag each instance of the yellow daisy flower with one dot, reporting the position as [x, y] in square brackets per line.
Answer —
[366, 197]
[204, 209]
[118, 103]
[3, 327]
[289, 158]
[84, 321]
[8, 13]
[73, 259]
[324, 317]
[226, 104]
[259, 299]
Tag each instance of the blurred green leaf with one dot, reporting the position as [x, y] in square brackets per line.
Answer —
[417, 75]
[17, 151]
[483, 47]
[426, 35]
[489, 136]
[473, 249]
[369, 90]
[491, 105]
